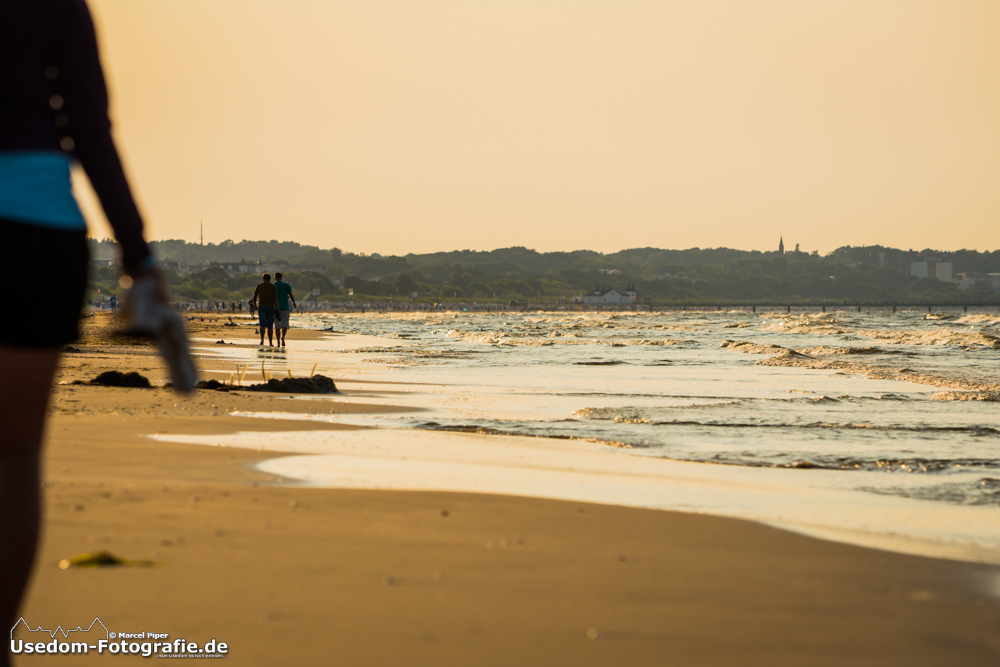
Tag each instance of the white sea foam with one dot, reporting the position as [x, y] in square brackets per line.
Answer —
[934, 337]
[982, 319]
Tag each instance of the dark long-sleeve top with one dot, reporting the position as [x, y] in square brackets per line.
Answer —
[53, 97]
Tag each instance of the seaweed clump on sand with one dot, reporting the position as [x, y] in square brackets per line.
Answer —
[317, 384]
[119, 379]
[214, 385]
[101, 559]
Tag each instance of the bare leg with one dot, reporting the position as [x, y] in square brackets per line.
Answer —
[270, 336]
[25, 386]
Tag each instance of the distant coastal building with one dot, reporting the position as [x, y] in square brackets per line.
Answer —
[982, 281]
[302, 268]
[174, 266]
[931, 267]
[233, 269]
[603, 297]
[890, 258]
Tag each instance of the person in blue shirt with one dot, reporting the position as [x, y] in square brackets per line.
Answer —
[284, 294]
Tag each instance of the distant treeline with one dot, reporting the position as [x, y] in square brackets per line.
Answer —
[660, 276]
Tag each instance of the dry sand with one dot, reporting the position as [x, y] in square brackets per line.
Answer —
[304, 576]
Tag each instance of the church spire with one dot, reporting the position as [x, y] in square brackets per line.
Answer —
[781, 245]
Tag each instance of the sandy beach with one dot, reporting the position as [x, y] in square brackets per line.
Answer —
[557, 392]
[290, 574]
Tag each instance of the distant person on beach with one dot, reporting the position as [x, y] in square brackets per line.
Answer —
[53, 113]
[284, 294]
[265, 300]
[114, 303]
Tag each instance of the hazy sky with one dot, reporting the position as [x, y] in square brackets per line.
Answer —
[423, 125]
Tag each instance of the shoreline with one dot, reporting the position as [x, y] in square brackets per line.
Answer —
[806, 502]
[826, 503]
[288, 573]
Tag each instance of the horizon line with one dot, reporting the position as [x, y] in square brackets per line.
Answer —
[546, 252]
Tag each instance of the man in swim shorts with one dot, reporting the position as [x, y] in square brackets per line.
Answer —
[284, 294]
[265, 299]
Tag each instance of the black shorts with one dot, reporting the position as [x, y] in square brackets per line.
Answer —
[48, 268]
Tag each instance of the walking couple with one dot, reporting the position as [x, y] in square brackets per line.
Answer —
[273, 312]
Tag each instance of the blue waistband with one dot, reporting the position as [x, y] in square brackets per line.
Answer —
[35, 188]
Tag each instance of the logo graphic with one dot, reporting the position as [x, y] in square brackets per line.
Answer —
[82, 638]
[66, 633]
[96, 637]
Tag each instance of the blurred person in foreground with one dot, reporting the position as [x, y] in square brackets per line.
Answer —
[53, 111]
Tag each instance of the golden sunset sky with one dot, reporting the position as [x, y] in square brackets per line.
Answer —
[425, 125]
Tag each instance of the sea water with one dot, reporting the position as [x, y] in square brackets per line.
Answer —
[672, 385]
[893, 404]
